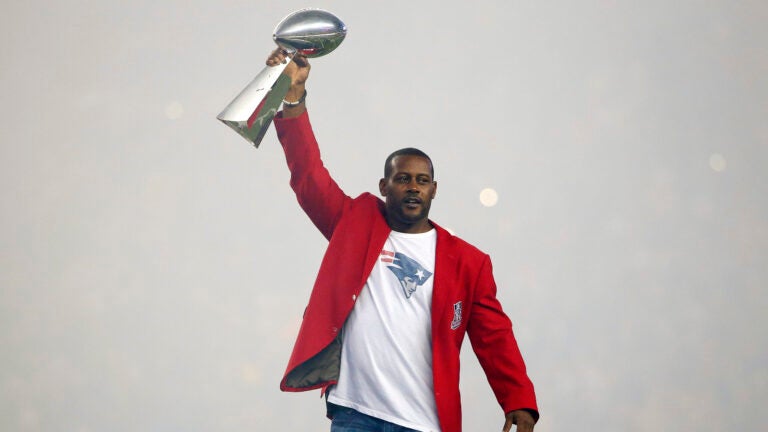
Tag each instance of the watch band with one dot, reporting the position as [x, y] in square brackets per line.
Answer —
[293, 104]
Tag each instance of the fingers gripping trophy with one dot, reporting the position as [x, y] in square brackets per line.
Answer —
[307, 33]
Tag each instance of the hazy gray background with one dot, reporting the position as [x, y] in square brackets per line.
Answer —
[154, 266]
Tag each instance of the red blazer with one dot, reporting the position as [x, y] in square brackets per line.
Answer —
[463, 299]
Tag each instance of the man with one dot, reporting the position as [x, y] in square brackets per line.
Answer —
[394, 295]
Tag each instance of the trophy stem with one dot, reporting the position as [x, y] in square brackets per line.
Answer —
[266, 93]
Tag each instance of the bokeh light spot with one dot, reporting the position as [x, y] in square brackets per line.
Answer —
[717, 162]
[251, 373]
[174, 110]
[489, 197]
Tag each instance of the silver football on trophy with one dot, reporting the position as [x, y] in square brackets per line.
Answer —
[310, 32]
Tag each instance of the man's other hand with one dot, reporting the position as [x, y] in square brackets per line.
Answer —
[522, 418]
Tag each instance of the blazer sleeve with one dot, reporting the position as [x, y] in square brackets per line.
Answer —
[318, 194]
[490, 332]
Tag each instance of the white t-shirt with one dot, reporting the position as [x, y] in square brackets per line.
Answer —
[386, 355]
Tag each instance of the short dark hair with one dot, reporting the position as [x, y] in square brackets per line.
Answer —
[408, 151]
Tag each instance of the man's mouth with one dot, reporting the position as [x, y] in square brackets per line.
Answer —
[412, 202]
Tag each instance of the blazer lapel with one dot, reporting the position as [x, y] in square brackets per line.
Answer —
[444, 289]
[379, 233]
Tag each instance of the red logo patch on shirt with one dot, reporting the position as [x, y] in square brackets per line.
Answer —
[387, 256]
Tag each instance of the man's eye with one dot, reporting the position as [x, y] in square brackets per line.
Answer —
[402, 179]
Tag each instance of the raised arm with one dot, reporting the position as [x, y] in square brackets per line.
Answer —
[318, 194]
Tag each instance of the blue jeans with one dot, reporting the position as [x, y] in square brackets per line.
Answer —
[349, 420]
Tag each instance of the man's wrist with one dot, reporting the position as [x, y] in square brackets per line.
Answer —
[295, 92]
[294, 103]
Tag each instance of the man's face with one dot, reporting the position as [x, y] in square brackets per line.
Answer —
[409, 191]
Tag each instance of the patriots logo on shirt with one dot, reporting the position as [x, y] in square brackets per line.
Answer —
[409, 272]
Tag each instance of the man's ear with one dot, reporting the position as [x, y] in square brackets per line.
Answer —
[382, 187]
[434, 190]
